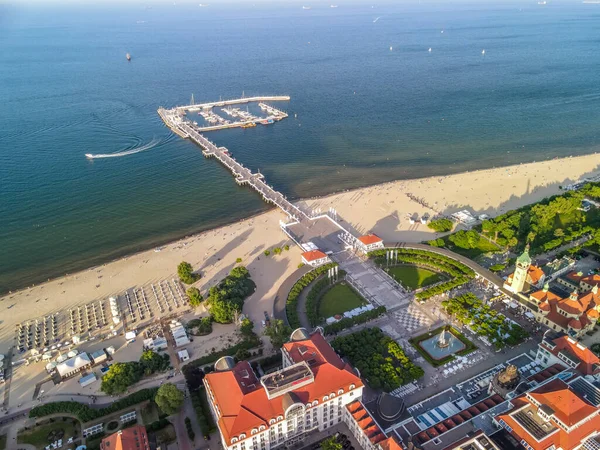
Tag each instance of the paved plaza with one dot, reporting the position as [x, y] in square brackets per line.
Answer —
[374, 284]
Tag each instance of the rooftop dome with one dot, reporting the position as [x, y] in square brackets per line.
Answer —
[299, 334]
[575, 324]
[524, 259]
[224, 363]
[390, 407]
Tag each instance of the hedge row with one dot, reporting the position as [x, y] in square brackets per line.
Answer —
[441, 288]
[245, 344]
[85, 414]
[349, 322]
[157, 425]
[313, 299]
[190, 431]
[461, 273]
[292, 300]
[441, 261]
[202, 409]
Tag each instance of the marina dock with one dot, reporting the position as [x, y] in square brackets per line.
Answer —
[243, 176]
[241, 119]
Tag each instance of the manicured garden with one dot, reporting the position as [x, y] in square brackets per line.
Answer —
[291, 307]
[415, 342]
[414, 277]
[380, 360]
[485, 321]
[349, 322]
[457, 272]
[339, 299]
[42, 435]
[467, 243]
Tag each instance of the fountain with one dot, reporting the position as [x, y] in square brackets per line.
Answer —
[444, 341]
[442, 344]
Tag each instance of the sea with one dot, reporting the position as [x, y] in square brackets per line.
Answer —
[369, 103]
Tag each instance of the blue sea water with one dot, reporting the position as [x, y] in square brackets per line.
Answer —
[365, 113]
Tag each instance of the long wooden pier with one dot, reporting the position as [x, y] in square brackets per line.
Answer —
[242, 174]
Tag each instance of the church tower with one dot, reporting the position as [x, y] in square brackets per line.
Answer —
[521, 270]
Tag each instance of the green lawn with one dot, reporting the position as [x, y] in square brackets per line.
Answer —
[339, 299]
[483, 246]
[38, 436]
[414, 277]
[149, 413]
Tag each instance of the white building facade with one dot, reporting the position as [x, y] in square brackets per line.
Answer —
[309, 393]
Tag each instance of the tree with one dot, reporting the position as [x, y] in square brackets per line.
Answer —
[267, 252]
[120, 376]
[153, 362]
[186, 273]
[168, 398]
[441, 225]
[277, 250]
[238, 260]
[247, 327]
[227, 298]
[194, 295]
[278, 332]
[331, 444]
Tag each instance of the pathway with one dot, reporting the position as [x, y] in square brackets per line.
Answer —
[280, 300]
[301, 305]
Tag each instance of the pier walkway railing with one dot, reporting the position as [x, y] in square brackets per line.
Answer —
[242, 174]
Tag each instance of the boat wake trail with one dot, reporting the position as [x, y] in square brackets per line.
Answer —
[153, 143]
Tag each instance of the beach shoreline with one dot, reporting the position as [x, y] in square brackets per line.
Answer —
[102, 261]
[381, 208]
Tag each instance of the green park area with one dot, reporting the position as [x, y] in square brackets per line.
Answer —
[339, 299]
[414, 277]
[43, 435]
[380, 360]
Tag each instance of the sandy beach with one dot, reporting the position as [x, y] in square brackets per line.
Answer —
[382, 209]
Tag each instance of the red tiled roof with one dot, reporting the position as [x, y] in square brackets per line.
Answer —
[585, 355]
[313, 255]
[575, 276]
[592, 280]
[576, 304]
[545, 296]
[534, 274]
[369, 239]
[567, 407]
[391, 443]
[244, 404]
[132, 438]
